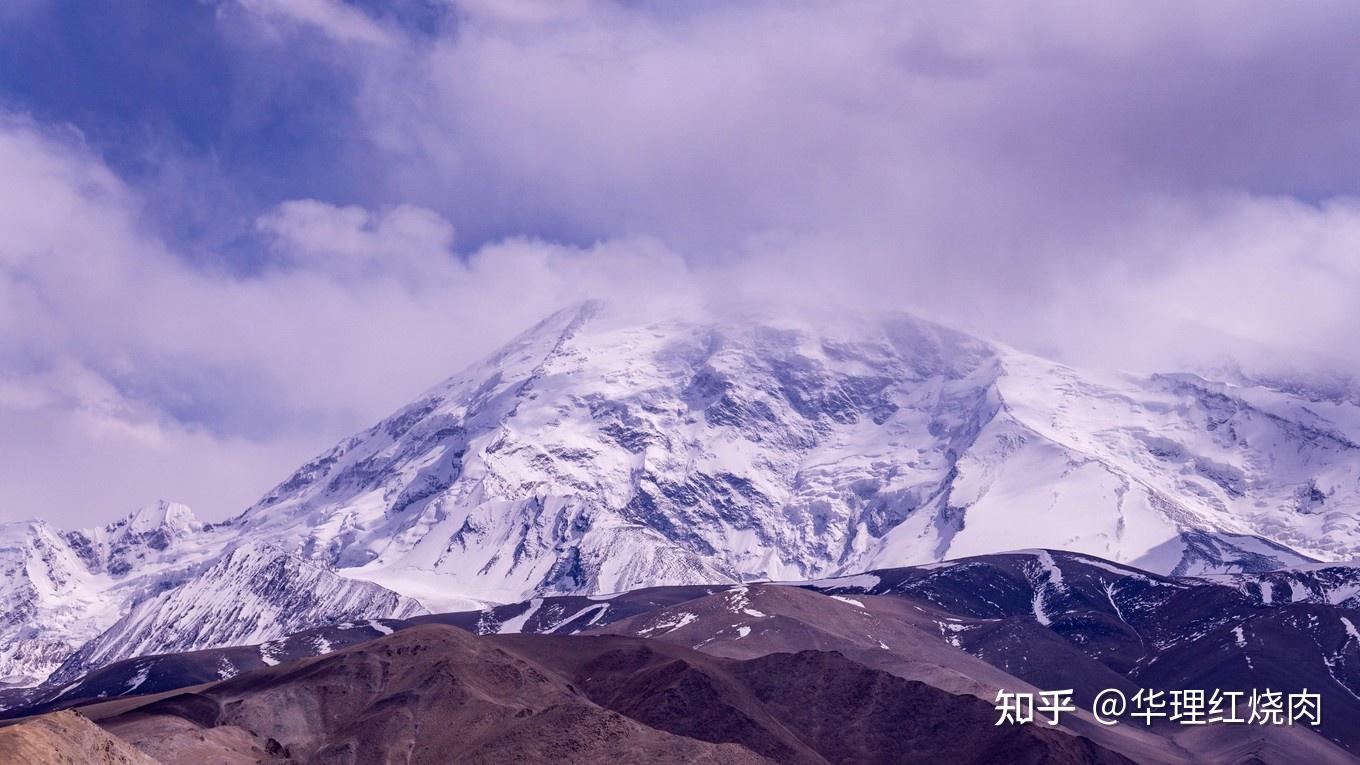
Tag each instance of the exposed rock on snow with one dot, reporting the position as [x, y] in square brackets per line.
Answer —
[596, 454]
[253, 594]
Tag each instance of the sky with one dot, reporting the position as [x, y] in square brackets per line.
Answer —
[233, 232]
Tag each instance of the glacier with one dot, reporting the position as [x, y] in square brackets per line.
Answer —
[596, 454]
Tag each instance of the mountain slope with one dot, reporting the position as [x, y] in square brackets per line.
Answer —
[1058, 619]
[435, 694]
[597, 453]
[1018, 621]
[429, 695]
[250, 595]
[64, 738]
[593, 454]
[154, 582]
[61, 589]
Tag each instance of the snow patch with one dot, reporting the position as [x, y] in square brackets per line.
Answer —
[670, 623]
[1050, 566]
[1103, 566]
[951, 632]
[858, 582]
[1110, 590]
[1297, 592]
[1052, 577]
[69, 688]
[599, 609]
[1267, 593]
[739, 603]
[271, 652]
[1350, 628]
[135, 682]
[517, 624]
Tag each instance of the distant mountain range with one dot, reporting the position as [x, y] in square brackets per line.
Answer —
[598, 454]
[882, 667]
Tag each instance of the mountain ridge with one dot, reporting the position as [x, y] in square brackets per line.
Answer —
[595, 453]
[1019, 621]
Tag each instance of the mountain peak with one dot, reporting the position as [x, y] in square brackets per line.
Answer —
[174, 517]
[600, 452]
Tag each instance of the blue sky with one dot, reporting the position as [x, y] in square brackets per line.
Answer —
[234, 231]
[173, 94]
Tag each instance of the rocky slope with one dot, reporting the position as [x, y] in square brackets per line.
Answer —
[66, 738]
[1020, 621]
[435, 694]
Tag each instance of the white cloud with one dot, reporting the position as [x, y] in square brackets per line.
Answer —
[354, 243]
[529, 11]
[1109, 183]
[334, 18]
[148, 377]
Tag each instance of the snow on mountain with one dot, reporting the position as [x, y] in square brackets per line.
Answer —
[1336, 584]
[60, 589]
[40, 578]
[595, 454]
[253, 594]
[155, 581]
[591, 455]
[967, 626]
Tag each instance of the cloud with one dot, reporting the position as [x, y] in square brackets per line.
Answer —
[334, 18]
[736, 118]
[354, 243]
[1275, 275]
[973, 161]
[528, 11]
[391, 188]
[147, 375]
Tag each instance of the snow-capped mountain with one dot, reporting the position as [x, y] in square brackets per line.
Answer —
[60, 589]
[596, 453]
[155, 581]
[252, 594]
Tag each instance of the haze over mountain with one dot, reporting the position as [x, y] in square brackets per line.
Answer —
[597, 454]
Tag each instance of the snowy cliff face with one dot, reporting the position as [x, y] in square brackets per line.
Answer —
[135, 541]
[155, 581]
[251, 595]
[39, 576]
[596, 455]
[60, 589]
